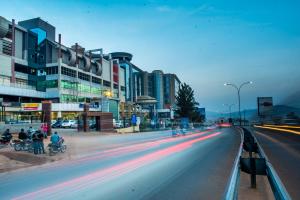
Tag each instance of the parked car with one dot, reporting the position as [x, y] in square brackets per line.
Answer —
[68, 123]
[57, 124]
[75, 125]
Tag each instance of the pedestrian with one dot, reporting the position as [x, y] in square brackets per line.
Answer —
[44, 128]
[40, 136]
[35, 142]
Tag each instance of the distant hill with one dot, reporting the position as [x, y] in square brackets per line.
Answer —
[278, 110]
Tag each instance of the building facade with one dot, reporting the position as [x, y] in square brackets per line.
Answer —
[37, 66]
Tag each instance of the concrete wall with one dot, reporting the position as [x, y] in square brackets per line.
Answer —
[16, 128]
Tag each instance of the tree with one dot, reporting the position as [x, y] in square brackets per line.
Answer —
[185, 101]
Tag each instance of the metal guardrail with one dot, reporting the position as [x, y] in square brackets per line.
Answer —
[233, 184]
[277, 186]
[278, 189]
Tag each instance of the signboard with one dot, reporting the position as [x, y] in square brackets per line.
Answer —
[30, 106]
[264, 105]
[92, 105]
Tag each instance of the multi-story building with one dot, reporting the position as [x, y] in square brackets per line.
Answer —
[35, 67]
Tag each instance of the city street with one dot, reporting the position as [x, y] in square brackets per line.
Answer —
[194, 166]
[283, 151]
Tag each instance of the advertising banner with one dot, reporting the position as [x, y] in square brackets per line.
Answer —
[264, 105]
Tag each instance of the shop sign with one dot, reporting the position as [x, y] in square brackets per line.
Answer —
[10, 104]
[91, 105]
[30, 106]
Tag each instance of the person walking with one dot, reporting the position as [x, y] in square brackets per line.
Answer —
[35, 141]
[40, 136]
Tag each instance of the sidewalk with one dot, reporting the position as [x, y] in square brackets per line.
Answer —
[78, 144]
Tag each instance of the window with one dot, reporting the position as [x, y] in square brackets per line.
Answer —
[68, 72]
[68, 98]
[83, 76]
[68, 85]
[52, 70]
[84, 88]
[52, 84]
[106, 83]
[96, 80]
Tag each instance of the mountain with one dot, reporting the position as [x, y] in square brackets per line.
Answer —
[278, 110]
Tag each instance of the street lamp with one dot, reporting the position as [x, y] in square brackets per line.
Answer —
[229, 108]
[239, 96]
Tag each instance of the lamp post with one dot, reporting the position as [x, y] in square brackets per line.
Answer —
[229, 108]
[239, 95]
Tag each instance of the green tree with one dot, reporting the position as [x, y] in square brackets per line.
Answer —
[185, 101]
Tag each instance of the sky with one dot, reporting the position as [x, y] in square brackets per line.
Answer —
[206, 43]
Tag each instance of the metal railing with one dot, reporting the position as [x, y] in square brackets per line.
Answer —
[233, 184]
[278, 189]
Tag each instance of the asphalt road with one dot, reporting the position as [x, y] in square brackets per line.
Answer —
[194, 166]
[283, 151]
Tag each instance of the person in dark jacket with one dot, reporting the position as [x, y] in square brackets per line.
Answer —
[22, 135]
[35, 142]
[6, 136]
[41, 135]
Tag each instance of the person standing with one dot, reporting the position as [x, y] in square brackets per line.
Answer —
[35, 141]
[40, 136]
[44, 128]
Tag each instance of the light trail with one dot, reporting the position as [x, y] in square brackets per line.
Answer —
[126, 150]
[278, 129]
[283, 126]
[100, 176]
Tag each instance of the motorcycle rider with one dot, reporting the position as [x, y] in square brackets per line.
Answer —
[55, 139]
[22, 135]
[6, 136]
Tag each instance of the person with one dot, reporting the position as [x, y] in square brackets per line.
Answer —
[22, 135]
[6, 136]
[55, 139]
[30, 132]
[35, 142]
[40, 136]
[44, 128]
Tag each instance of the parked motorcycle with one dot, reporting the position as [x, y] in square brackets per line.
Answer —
[4, 141]
[22, 145]
[56, 148]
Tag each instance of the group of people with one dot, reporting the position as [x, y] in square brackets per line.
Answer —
[35, 136]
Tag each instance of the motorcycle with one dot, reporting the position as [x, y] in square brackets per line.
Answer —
[56, 148]
[4, 141]
[22, 145]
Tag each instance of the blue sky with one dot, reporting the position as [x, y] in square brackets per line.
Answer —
[206, 43]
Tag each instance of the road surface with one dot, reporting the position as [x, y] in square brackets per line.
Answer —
[283, 151]
[194, 166]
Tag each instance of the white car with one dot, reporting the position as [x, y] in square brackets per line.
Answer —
[68, 123]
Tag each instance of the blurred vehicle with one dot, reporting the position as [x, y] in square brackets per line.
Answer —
[75, 125]
[57, 124]
[118, 124]
[68, 123]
